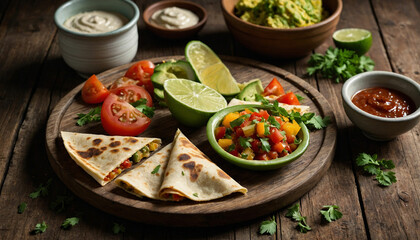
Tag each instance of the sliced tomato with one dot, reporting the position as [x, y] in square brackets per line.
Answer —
[118, 117]
[278, 147]
[264, 114]
[273, 88]
[122, 82]
[94, 91]
[132, 94]
[289, 98]
[220, 132]
[142, 71]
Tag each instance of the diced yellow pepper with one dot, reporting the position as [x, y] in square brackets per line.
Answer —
[260, 129]
[248, 111]
[249, 153]
[291, 128]
[249, 130]
[296, 127]
[229, 118]
[225, 142]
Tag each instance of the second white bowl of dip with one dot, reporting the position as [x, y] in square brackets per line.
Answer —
[93, 52]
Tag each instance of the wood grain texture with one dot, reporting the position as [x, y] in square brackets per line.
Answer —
[268, 191]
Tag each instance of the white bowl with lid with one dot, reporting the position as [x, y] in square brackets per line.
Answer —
[90, 53]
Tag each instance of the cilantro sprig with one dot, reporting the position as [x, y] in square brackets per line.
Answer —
[331, 212]
[142, 107]
[268, 226]
[294, 213]
[70, 222]
[118, 228]
[22, 207]
[339, 64]
[40, 228]
[42, 190]
[94, 115]
[373, 166]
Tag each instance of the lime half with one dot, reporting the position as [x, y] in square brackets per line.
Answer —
[210, 70]
[356, 39]
[192, 103]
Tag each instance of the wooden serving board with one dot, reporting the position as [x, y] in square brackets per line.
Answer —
[268, 191]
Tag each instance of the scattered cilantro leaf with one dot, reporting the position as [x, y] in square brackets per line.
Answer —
[239, 120]
[142, 107]
[118, 228]
[265, 145]
[70, 222]
[339, 64]
[331, 212]
[61, 202]
[230, 148]
[94, 115]
[22, 207]
[294, 213]
[40, 228]
[245, 142]
[373, 166]
[273, 122]
[42, 190]
[317, 122]
[156, 169]
[268, 226]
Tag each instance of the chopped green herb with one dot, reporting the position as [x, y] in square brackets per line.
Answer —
[245, 142]
[265, 145]
[230, 148]
[142, 107]
[118, 228]
[331, 212]
[195, 194]
[244, 156]
[40, 228]
[182, 173]
[239, 120]
[294, 213]
[317, 122]
[268, 226]
[373, 166]
[297, 141]
[300, 98]
[266, 129]
[156, 170]
[273, 122]
[70, 222]
[21, 208]
[42, 190]
[61, 202]
[94, 115]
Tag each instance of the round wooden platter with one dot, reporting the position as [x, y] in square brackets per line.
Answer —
[268, 191]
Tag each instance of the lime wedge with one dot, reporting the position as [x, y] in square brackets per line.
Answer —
[356, 39]
[210, 70]
[192, 103]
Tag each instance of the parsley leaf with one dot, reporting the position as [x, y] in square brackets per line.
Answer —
[317, 122]
[22, 207]
[42, 190]
[293, 212]
[40, 228]
[70, 222]
[273, 122]
[339, 64]
[265, 145]
[331, 212]
[156, 169]
[373, 166]
[118, 228]
[245, 142]
[268, 226]
[142, 107]
[94, 115]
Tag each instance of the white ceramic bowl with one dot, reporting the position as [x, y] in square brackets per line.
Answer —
[94, 53]
[381, 128]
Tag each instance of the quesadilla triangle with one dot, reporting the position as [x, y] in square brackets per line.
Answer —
[145, 179]
[191, 174]
[105, 157]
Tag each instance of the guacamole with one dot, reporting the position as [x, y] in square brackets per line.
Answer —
[281, 13]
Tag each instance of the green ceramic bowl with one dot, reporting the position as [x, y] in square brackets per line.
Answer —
[253, 164]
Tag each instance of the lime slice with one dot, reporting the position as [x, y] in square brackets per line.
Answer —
[210, 70]
[192, 103]
[356, 39]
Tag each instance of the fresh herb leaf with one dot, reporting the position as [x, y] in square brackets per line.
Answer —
[245, 142]
[195, 194]
[237, 122]
[265, 145]
[244, 156]
[142, 107]
[182, 173]
[230, 148]
[118, 228]
[268, 226]
[317, 122]
[294, 213]
[22, 207]
[266, 129]
[40, 228]
[273, 122]
[94, 115]
[61, 202]
[70, 222]
[300, 98]
[331, 212]
[156, 170]
[339, 64]
[42, 190]
[297, 141]
[373, 166]
[386, 178]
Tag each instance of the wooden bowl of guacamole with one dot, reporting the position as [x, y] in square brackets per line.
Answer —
[281, 29]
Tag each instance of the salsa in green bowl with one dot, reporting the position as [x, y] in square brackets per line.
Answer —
[256, 137]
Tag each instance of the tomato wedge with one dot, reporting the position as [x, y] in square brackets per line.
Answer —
[132, 94]
[94, 91]
[273, 88]
[123, 81]
[118, 117]
[289, 98]
[142, 71]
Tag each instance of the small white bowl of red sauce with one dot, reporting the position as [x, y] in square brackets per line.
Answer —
[382, 104]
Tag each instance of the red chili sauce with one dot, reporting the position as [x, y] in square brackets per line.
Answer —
[383, 102]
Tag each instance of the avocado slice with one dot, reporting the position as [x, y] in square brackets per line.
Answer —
[168, 70]
[249, 91]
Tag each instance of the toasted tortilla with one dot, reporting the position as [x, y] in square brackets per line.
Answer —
[289, 108]
[145, 179]
[191, 174]
[99, 155]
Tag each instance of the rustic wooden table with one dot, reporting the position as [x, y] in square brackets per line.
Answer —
[33, 78]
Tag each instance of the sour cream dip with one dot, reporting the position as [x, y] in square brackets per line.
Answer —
[174, 18]
[95, 22]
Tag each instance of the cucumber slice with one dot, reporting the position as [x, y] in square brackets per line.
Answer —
[249, 91]
[167, 70]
